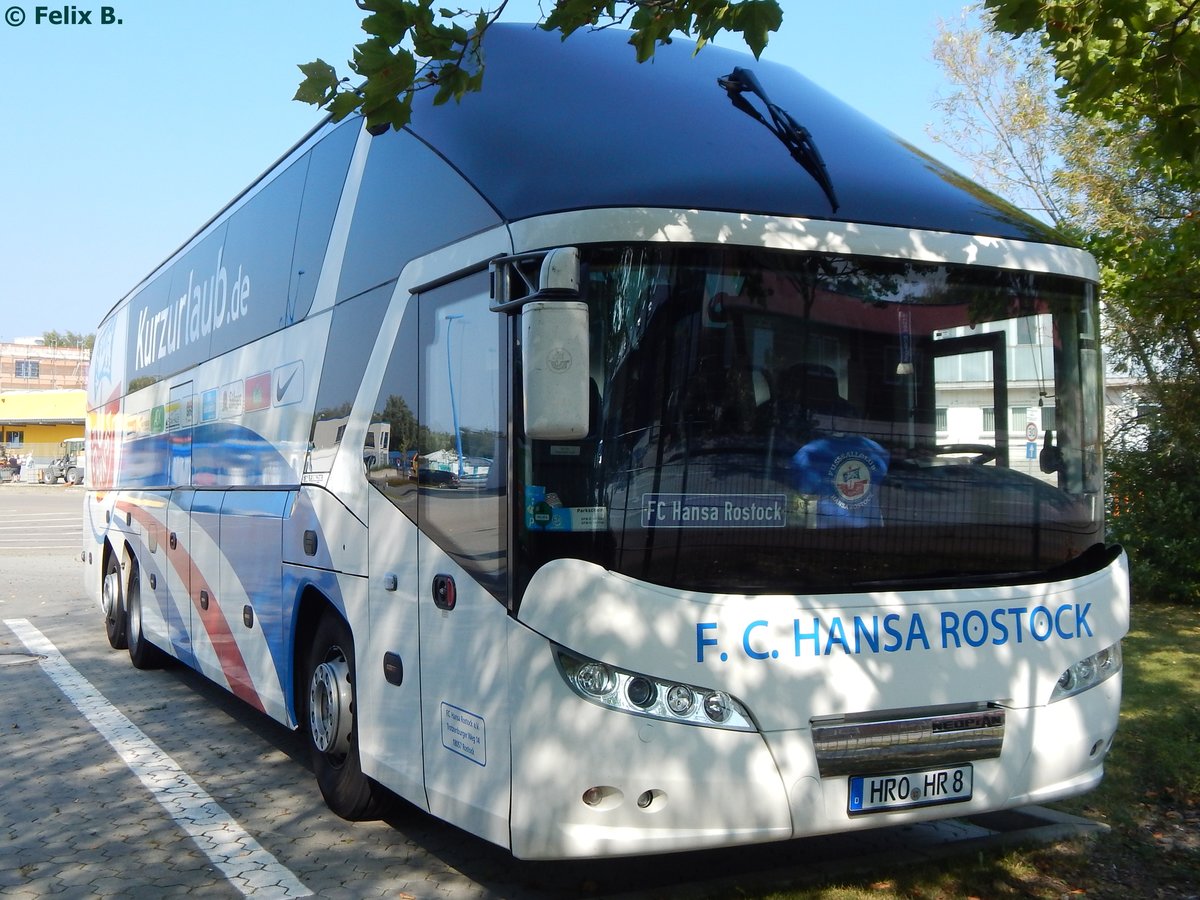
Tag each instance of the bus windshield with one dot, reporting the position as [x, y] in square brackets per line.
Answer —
[772, 422]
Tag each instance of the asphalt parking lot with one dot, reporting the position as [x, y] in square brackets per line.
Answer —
[120, 782]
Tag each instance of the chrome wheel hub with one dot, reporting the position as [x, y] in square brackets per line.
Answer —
[329, 715]
[110, 592]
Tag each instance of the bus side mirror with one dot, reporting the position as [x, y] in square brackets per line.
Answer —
[555, 369]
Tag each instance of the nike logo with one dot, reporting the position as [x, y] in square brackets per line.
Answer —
[282, 386]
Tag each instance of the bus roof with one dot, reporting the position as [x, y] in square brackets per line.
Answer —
[578, 124]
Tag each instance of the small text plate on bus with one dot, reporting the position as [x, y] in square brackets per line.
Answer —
[714, 510]
[930, 787]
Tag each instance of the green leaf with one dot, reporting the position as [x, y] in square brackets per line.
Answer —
[644, 42]
[388, 68]
[756, 19]
[320, 81]
[394, 114]
[375, 55]
[344, 104]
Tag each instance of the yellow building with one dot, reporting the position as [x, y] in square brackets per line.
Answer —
[38, 422]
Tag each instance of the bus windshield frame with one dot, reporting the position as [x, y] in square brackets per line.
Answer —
[770, 422]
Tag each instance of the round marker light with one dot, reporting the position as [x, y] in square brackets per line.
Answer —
[716, 706]
[680, 699]
[594, 678]
[641, 692]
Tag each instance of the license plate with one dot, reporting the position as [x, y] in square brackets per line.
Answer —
[887, 793]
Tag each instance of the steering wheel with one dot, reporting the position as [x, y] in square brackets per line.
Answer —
[984, 453]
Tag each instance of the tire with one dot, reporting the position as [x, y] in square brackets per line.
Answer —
[142, 653]
[327, 702]
[113, 596]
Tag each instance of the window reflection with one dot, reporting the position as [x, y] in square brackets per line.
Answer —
[443, 410]
[787, 422]
[342, 373]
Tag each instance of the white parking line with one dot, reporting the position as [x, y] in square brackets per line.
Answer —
[238, 856]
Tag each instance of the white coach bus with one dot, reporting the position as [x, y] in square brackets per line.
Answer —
[668, 548]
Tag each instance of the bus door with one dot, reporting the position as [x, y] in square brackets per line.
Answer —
[463, 570]
[391, 734]
[393, 704]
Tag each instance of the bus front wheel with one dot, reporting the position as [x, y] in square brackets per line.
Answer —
[328, 701]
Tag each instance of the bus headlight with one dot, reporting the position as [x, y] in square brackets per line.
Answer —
[644, 695]
[1088, 672]
[595, 679]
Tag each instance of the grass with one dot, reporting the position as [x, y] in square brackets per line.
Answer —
[1150, 798]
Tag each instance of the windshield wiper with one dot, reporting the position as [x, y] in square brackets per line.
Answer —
[794, 135]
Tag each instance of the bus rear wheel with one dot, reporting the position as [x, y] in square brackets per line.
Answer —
[142, 653]
[113, 598]
[329, 717]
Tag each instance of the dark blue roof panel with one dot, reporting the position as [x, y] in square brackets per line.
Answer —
[577, 124]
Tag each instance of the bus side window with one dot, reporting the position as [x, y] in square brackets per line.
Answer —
[342, 373]
[463, 417]
[395, 417]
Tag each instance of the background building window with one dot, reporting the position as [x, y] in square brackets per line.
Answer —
[942, 423]
[1027, 330]
[27, 368]
[989, 418]
[1020, 418]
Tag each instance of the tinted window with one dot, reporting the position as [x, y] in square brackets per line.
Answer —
[141, 347]
[396, 407]
[257, 263]
[327, 166]
[351, 334]
[448, 464]
[771, 422]
[251, 274]
[410, 203]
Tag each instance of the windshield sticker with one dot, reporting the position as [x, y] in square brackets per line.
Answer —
[852, 479]
[544, 512]
[714, 510]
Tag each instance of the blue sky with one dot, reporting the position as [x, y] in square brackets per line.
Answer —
[119, 140]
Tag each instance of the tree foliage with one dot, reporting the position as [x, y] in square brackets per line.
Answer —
[1000, 114]
[68, 339]
[1110, 180]
[1129, 62]
[413, 47]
